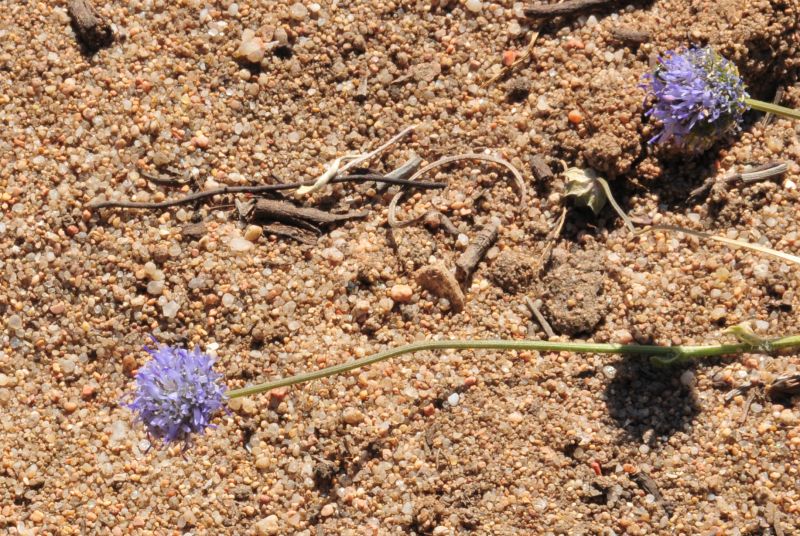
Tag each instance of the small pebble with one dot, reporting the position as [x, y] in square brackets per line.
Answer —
[474, 5]
[253, 233]
[240, 244]
[352, 416]
[575, 117]
[401, 293]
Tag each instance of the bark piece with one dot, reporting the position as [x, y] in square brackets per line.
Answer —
[473, 255]
[439, 281]
[304, 236]
[289, 214]
[92, 30]
[570, 7]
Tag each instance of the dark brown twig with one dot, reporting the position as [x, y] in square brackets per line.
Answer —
[91, 30]
[197, 196]
[477, 248]
[648, 485]
[569, 7]
[535, 308]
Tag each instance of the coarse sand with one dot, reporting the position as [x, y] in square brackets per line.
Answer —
[224, 93]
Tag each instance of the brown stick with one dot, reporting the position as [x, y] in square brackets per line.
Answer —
[569, 7]
[197, 196]
[90, 28]
[472, 256]
[289, 214]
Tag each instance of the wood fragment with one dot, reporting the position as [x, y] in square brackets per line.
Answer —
[570, 7]
[90, 28]
[404, 172]
[648, 485]
[535, 307]
[441, 282]
[629, 35]
[476, 250]
[784, 386]
[304, 236]
[540, 169]
[361, 92]
[273, 210]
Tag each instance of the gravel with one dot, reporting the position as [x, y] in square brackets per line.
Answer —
[495, 443]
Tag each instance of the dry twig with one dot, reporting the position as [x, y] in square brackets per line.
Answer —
[570, 7]
[197, 196]
[90, 28]
[477, 248]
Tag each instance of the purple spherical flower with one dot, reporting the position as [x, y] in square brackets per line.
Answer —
[698, 96]
[177, 393]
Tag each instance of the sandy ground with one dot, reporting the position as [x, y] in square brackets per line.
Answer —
[448, 443]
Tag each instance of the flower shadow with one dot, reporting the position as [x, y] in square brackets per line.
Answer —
[649, 402]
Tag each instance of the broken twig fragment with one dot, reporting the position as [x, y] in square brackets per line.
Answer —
[90, 28]
[289, 214]
[477, 248]
[570, 7]
[441, 282]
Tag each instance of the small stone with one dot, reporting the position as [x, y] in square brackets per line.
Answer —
[453, 399]
[88, 392]
[474, 5]
[328, 510]
[352, 416]
[268, 525]
[70, 406]
[37, 516]
[201, 140]
[253, 232]
[57, 308]
[298, 11]
[170, 309]
[515, 417]
[575, 117]
[401, 293]
[333, 256]
[228, 299]
[155, 288]
[239, 244]
[263, 463]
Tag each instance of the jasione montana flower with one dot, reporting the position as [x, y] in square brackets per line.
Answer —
[177, 393]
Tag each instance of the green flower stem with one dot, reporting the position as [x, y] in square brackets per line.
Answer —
[768, 107]
[668, 355]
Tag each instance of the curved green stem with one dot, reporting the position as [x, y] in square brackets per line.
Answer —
[768, 107]
[668, 355]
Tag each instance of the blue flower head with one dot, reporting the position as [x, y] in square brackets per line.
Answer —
[698, 96]
[177, 393]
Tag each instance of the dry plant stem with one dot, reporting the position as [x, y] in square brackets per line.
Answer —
[353, 160]
[748, 175]
[522, 59]
[261, 189]
[770, 108]
[518, 181]
[670, 354]
[728, 241]
[569, 7]
[615, 206]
